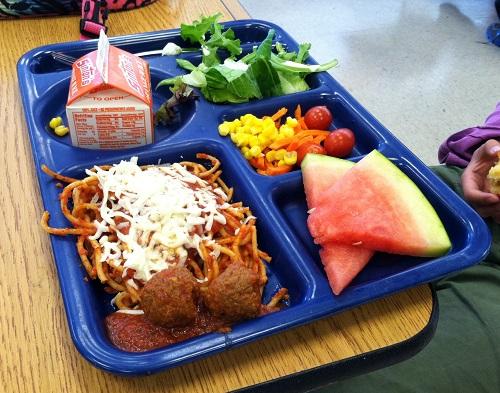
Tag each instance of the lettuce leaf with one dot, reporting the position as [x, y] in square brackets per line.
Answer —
[226, 40]
[195, 32]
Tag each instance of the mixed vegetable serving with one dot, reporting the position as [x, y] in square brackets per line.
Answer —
[276, 144]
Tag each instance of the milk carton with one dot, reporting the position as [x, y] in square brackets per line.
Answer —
[110, 104]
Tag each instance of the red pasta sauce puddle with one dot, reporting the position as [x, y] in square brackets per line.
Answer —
[135, 333]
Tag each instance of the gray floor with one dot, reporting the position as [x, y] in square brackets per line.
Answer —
[423, 68]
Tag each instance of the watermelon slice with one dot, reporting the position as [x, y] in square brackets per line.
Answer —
[378, 207]
[341, 262]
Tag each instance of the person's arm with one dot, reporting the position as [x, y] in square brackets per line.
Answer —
[458, 148]
[477, 149]
[474, 182]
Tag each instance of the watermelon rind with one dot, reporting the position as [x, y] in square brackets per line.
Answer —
[426, 217]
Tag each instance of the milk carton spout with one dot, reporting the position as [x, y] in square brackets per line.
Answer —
[103, 56]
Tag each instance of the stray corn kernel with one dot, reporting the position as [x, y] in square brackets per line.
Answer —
[55, 122]
[61, 130]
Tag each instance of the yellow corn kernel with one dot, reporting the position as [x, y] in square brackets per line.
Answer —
[269, 129]
[280, 136]
[248, 155]
[233, 125]
[281, 163]
[271, 155]
[247, 119]
[255, 129]
[247, 129]
[61, 130]
[244, 149]
[253, 141]
[224, 129]
[268, 122]
[234, 135]
[241, 139]
[264, 141]
[55, 122]
[280, 154]
[255, 151]
[286, 131]
[291, 122]
[290, 158]
[255, 122]
[274, 137]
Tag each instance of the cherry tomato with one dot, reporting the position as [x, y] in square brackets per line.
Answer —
[309, 147]
[339, 143]
[318, 118]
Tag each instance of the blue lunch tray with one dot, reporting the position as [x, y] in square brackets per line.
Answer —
[278, 202]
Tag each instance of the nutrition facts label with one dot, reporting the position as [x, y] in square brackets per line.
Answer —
[111, 130]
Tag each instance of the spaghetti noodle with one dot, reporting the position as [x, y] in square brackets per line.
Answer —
[132, 222]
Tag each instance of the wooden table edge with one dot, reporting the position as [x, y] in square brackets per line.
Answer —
[326, 374]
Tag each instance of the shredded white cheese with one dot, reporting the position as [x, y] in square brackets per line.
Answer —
[158, 213]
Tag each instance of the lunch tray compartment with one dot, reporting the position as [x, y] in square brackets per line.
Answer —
[289, 198]
[53, 103]
[277, 202]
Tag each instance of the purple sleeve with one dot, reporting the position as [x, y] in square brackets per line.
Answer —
[458, 148]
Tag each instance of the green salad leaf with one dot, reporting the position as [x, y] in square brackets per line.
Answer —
[195, 32]
[260, 73]
[226, 40]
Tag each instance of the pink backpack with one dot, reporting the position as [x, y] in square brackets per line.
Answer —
[94, 12]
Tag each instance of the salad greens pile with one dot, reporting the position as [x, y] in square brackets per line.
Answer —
[261, 73]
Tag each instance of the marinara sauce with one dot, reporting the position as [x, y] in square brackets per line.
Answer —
[135, 333]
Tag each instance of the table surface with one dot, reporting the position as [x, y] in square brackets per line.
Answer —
[37, 352]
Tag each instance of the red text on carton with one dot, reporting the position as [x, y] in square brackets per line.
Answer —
[110, 104]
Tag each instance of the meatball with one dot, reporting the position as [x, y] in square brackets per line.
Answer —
[235, 294]
[169, 298]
